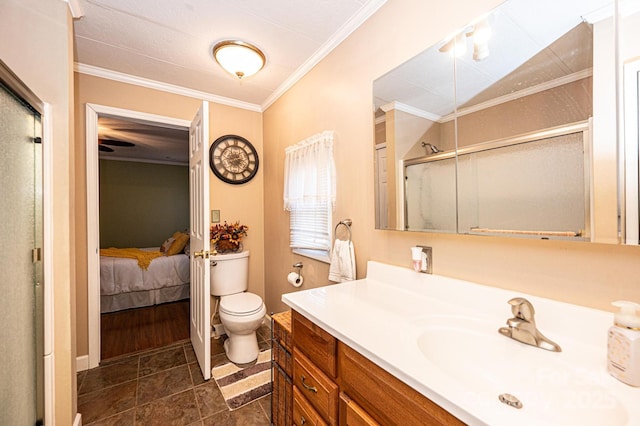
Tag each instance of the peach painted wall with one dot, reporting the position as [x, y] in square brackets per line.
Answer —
[235, 202]
[337, 95]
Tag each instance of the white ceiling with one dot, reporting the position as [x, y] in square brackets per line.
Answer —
[170, 41]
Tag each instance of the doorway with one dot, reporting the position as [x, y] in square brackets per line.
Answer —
[94, 114]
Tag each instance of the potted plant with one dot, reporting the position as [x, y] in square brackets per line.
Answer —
[228, 237]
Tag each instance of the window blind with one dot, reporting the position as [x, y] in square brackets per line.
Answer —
[309, 192]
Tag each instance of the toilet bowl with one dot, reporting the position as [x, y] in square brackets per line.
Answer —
[241, 313]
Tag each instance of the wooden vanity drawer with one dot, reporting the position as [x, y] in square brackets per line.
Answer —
[316, 387]
[385, 398]
[351, 414]
[316, 343]
[303, 413]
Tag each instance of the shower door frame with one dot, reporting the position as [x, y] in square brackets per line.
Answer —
[14, 83]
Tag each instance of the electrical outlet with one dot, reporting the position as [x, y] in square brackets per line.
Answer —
[215, 216]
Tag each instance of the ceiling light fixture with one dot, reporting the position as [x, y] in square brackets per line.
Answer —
[239, 58]
[456, 46]
[480, 33]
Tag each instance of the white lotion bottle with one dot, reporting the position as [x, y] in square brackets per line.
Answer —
[623, 348]
[416, 258]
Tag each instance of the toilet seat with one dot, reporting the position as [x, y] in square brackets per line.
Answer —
[241, 304]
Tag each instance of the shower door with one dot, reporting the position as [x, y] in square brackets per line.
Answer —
[21, 278]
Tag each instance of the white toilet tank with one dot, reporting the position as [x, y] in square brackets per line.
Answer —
[229, 273]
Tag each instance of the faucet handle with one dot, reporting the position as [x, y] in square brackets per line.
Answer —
[522, 308]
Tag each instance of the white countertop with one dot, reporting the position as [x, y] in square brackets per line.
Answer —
[436, 334]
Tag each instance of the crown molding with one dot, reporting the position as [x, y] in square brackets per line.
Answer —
[399, 106]
[335, 40]
[165, 87]
[75, 9]
[570, 78]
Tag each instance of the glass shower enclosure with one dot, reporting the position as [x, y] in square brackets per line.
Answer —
[21, 234]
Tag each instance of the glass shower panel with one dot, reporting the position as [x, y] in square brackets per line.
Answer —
[20, 227]
[537, 188]
[430, 196]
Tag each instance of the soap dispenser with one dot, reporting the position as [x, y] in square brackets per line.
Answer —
[623, 348]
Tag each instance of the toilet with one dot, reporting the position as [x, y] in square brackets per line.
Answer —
[241, 312]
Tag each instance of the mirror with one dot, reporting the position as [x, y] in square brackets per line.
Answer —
[507, 128]
[629, 12]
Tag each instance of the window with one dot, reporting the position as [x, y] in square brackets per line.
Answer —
[310, 195]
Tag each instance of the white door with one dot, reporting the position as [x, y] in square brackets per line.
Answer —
[200, 239]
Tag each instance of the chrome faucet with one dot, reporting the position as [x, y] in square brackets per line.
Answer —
[522, 327]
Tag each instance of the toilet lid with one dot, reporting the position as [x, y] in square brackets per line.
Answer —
[241, 304]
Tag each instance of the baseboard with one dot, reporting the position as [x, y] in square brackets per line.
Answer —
[82, 363]
[78, 420]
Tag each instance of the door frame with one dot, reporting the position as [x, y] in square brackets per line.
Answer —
[93, 213]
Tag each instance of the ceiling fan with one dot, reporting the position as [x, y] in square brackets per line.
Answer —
[102, 144]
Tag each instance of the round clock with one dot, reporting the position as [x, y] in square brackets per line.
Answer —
[233, 159]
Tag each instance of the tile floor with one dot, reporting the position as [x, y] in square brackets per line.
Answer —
[163, 386]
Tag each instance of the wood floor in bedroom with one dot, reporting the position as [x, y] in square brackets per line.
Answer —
[140, 329]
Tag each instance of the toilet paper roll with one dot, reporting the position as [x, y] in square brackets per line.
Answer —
[295, 279]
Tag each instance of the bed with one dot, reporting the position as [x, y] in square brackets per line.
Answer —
[125, 285]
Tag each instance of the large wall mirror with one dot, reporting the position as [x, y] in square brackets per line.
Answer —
[510, 127]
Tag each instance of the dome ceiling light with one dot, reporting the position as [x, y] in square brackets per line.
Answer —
[239, 58]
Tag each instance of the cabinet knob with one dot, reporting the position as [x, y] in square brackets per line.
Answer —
[309, 388]
[302, 420]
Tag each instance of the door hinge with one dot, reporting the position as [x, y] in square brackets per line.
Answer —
[36, 254]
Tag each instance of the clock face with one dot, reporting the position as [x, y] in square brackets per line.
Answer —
[233, 159]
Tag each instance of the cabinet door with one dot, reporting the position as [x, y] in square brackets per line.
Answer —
[316, 343]
[351, 414]
[383, 396]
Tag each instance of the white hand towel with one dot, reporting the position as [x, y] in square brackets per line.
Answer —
[343, 262]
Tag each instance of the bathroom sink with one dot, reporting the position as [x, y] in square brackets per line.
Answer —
[553, 387]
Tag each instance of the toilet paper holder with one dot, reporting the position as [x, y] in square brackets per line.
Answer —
[298, 266]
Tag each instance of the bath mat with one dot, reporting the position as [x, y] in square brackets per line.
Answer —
[240, 386]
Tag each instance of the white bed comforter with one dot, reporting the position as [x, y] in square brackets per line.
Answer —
[120, 275]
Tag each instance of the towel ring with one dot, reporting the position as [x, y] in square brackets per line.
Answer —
[346, 223]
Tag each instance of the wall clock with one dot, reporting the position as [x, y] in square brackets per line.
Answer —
[233, 159]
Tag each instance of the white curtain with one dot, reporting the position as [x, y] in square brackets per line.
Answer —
[309, 172]
[310, 192]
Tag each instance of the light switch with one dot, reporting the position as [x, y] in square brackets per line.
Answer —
[215, 216]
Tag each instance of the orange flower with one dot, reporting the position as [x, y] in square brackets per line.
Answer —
[232, 233]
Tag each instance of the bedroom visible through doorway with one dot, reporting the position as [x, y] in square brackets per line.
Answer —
[144, 205]
[139, 298]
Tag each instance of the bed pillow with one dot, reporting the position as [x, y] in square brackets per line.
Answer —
[180, 241]
[167, 243]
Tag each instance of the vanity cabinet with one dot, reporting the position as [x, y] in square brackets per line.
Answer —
[334, 384]
[281, 369]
